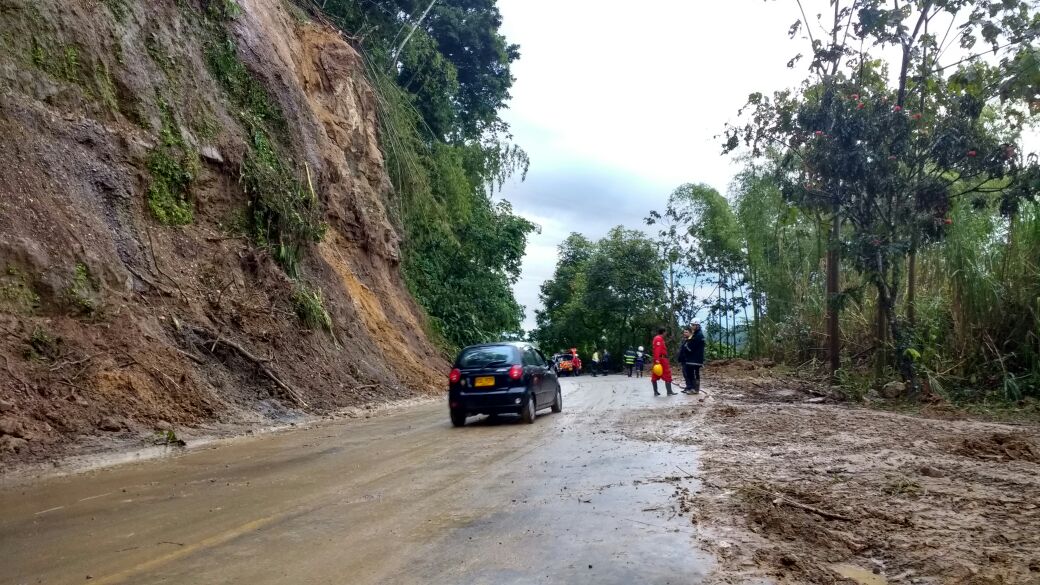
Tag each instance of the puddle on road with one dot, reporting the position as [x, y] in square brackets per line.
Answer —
[858, 574]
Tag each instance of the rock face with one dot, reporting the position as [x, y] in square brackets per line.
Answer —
[111, 315]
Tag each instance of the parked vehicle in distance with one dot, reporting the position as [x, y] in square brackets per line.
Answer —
[502, 378]
[565, 364]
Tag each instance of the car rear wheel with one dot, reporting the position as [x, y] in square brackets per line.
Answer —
[458, 417]
[527, 413]
[557, 405]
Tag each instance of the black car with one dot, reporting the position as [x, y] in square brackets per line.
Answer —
[502, 378]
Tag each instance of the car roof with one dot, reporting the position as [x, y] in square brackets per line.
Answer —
[516, 344]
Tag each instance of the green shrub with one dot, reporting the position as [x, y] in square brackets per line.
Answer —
[119, 9]
[284, 212]
[221, 10]
[310, 307]
[285, 216]
[17, 294]
[82, 291]
[174, 166]
[56, 59]
[42, 346]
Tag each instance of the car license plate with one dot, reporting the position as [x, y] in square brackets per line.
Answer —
[484, 381]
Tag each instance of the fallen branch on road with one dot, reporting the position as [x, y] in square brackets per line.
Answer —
[782, 499]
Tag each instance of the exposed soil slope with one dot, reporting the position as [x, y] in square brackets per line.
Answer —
[800, 491]
[114, 322]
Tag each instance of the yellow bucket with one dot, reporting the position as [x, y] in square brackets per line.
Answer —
[658, 370]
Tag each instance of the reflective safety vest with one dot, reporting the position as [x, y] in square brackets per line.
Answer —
[630, 358]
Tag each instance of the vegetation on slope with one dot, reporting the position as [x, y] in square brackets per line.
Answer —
[447, 149]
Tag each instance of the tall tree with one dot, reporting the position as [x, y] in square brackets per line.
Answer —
[888, 158]
[604, 294]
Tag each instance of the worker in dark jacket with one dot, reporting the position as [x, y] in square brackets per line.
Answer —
[691, 356]
[630, 360]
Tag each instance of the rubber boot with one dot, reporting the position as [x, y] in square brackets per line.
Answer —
[668, 385]
[697, 385]
[654, 382]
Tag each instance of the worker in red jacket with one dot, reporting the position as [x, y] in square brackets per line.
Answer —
[661, 357]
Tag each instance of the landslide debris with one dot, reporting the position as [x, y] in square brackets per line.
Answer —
[182, 166]
[798, 491]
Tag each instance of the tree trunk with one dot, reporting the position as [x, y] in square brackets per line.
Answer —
[880, 340]
[887, 304]
[752, 347]
[833, 327]
[911, 286]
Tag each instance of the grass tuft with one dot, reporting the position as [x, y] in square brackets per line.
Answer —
[310, 307]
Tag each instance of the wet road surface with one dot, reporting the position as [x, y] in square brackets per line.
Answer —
[404, 498]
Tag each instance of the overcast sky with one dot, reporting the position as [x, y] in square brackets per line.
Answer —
[618, 103]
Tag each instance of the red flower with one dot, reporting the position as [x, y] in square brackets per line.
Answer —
[855, 96]
[859, 106]
[916, 116]
[819, 132]
[948, 221]
[972, 153]
[897, 109]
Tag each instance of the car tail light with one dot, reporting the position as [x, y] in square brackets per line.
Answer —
[516, 372]
[454, 376]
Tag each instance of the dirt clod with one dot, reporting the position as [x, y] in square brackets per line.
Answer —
[929, 471]
[110, 424]
[1002, 446]
[9, 444]
[15, 428]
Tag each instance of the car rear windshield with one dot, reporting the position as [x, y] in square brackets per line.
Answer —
[481, 357]
[566, 358]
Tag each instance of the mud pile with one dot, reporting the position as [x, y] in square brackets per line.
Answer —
[799, 491]
[135, 295]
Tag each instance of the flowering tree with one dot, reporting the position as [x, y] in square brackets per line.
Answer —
[885, 155]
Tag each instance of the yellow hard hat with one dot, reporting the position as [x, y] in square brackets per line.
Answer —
[658, 370]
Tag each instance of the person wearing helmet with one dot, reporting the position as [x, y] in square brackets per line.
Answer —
[640, 361]
[662, 370]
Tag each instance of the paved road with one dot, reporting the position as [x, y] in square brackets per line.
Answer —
[403, 499]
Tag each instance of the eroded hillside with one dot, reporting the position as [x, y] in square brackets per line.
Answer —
[195, 223]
